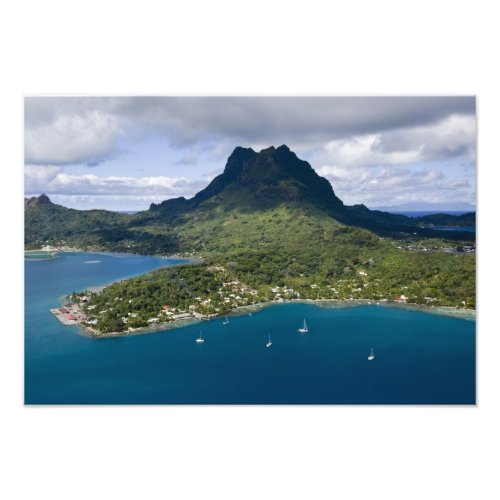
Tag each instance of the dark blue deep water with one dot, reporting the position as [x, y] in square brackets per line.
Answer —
[421, 358]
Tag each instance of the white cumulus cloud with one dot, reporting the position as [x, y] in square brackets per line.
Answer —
[53, 180]
[65, 130]
[72, 138]
[386, 186]
[452, 137]
[374, 150]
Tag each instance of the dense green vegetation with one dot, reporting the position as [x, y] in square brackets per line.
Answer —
[269, 228]
[370, 269]
[290, 252]
[53, 224]
[468, 219]
[250, 183]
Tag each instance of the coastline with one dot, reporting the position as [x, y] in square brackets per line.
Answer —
[158, 327]
[469, 314]
[41, 255]
[118, 254]
[89, 332]
[99, 288]
[465, 314]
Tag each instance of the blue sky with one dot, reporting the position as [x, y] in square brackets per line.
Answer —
[124, 153]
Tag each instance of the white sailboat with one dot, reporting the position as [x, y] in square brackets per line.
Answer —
[200, 339]
[226, 321]
[371, 355]
[304, 329]
[269, 343]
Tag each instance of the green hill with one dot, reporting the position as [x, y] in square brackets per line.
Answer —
[252, 183]
[267, 221]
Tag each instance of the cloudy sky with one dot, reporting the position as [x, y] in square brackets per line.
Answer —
[123, 153]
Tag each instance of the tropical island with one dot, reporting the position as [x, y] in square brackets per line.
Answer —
[269, 228]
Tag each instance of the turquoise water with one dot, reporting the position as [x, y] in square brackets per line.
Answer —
[420, 357]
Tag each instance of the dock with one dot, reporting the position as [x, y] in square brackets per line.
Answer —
[69, 314]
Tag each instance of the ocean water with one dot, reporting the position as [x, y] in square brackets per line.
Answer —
[422, 213]
[421, 358]
[465, 229]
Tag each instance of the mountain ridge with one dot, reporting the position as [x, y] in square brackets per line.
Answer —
[272, 174]
[250, 183]
[35, 201]
[271, 224]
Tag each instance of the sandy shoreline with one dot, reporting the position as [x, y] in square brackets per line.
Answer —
[158, 327]
[123, 254]
[466, 314]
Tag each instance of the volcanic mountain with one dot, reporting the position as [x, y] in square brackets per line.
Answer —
[270, 197]
[268, 178]
[276, 176]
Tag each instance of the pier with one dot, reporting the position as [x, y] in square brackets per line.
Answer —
[69, 314]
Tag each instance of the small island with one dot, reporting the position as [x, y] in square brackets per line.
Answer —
[183, 268]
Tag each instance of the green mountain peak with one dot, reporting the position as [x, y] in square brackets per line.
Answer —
[272, 176]
[34, 201]
[271, 196]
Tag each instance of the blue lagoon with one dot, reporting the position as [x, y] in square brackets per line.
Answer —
[420, 358]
